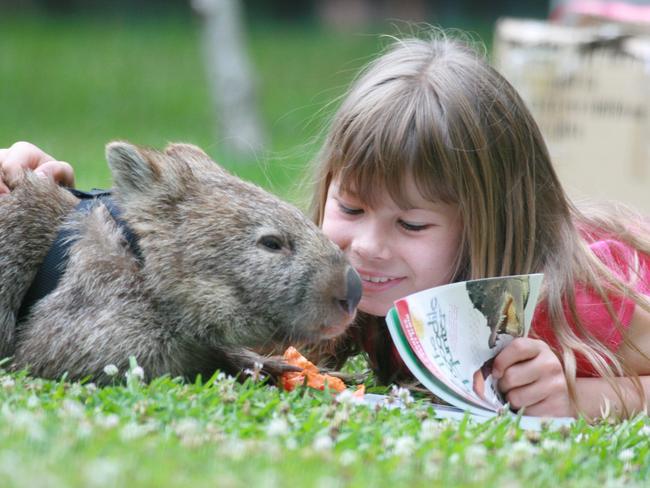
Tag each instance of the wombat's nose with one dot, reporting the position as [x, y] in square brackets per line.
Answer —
[353, 291]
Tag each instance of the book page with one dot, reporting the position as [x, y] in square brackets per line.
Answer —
[456, 330]
[451, 395]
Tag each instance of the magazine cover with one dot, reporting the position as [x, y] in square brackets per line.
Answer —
[448, 336]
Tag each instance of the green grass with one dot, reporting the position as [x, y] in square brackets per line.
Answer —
[70, 85]
[222, 433]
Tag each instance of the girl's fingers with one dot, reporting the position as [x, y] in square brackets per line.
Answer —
[58, 171]
[520, 349]
[19, 157]
[525, 396]
[4, 189]
[554, 403]
[518, 376]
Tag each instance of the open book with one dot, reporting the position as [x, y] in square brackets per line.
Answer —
[449, 335]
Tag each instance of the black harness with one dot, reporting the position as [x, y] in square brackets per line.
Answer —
[48, 275]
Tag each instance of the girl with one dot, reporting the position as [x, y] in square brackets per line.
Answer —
[434, 171]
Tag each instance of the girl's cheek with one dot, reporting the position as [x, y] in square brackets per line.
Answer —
[332, 228]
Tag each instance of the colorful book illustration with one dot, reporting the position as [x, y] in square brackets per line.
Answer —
[449, 335]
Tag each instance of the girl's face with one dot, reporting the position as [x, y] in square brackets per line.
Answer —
[396, 251]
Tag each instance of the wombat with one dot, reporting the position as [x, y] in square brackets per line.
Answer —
[226, 273]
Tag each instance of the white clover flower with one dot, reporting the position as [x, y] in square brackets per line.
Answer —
[110, 370]
[7, 382]
[36, 432]
[187, 427]
[132, 431]
[341, 417]
[323, 442]
[431, 468]
[256, 372]
[75, 390]
[291, 443]
[138, 372]
[345, 397]
[476, 455]
[553, 445]
[523, 447]
[33, 401]
[73, 409]
[102, 472]
[348, 458]
[83, 429]
[404, 446]
[277, 426]
[626, 455]
[401, 394]
[107, 421]
[235, 449]
[519, 452]
[29, 423]
[431, 429]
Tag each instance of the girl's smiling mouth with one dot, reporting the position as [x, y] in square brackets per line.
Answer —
[374, 282]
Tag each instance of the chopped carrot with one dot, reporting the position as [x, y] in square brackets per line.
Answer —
[309, 374]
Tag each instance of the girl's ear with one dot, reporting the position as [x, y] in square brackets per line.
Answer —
[134, 169]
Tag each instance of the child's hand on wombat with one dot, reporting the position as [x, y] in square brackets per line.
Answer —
[23, 156]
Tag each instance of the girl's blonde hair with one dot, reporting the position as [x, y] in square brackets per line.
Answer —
[435, 110]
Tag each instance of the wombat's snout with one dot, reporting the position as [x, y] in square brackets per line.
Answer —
[353, 290]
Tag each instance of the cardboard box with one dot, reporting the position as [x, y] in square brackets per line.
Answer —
[589, 91]
[630, 16]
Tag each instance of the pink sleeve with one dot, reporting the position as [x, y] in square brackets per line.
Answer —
[592, 311]
[618, 257]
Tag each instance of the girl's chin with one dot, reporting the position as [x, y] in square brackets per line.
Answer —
[374, 308]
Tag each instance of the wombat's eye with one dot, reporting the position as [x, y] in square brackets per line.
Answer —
[271, 242]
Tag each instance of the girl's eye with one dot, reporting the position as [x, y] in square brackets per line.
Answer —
[413, 227]
[350, 210]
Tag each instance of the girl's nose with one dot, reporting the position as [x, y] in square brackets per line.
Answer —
[371, 245]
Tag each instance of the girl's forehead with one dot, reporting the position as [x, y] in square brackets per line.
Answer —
[404, 194]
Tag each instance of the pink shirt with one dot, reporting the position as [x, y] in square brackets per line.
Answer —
[617, 256]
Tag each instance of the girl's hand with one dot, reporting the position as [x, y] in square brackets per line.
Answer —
[23, 156]
[531, 377]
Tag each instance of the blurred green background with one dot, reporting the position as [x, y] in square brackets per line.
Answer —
[75, 75]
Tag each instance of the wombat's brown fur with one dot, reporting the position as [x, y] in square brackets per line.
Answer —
[227, 269]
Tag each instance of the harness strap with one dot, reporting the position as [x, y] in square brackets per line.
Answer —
[49, 274]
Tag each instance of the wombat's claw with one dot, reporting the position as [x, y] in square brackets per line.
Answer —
[275, 366]
[272, 366]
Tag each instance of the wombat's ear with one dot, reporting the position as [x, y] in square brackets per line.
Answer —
[182, 150]
[133, 168]
[189, 153]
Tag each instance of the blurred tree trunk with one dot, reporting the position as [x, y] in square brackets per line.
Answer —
[230, 76]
